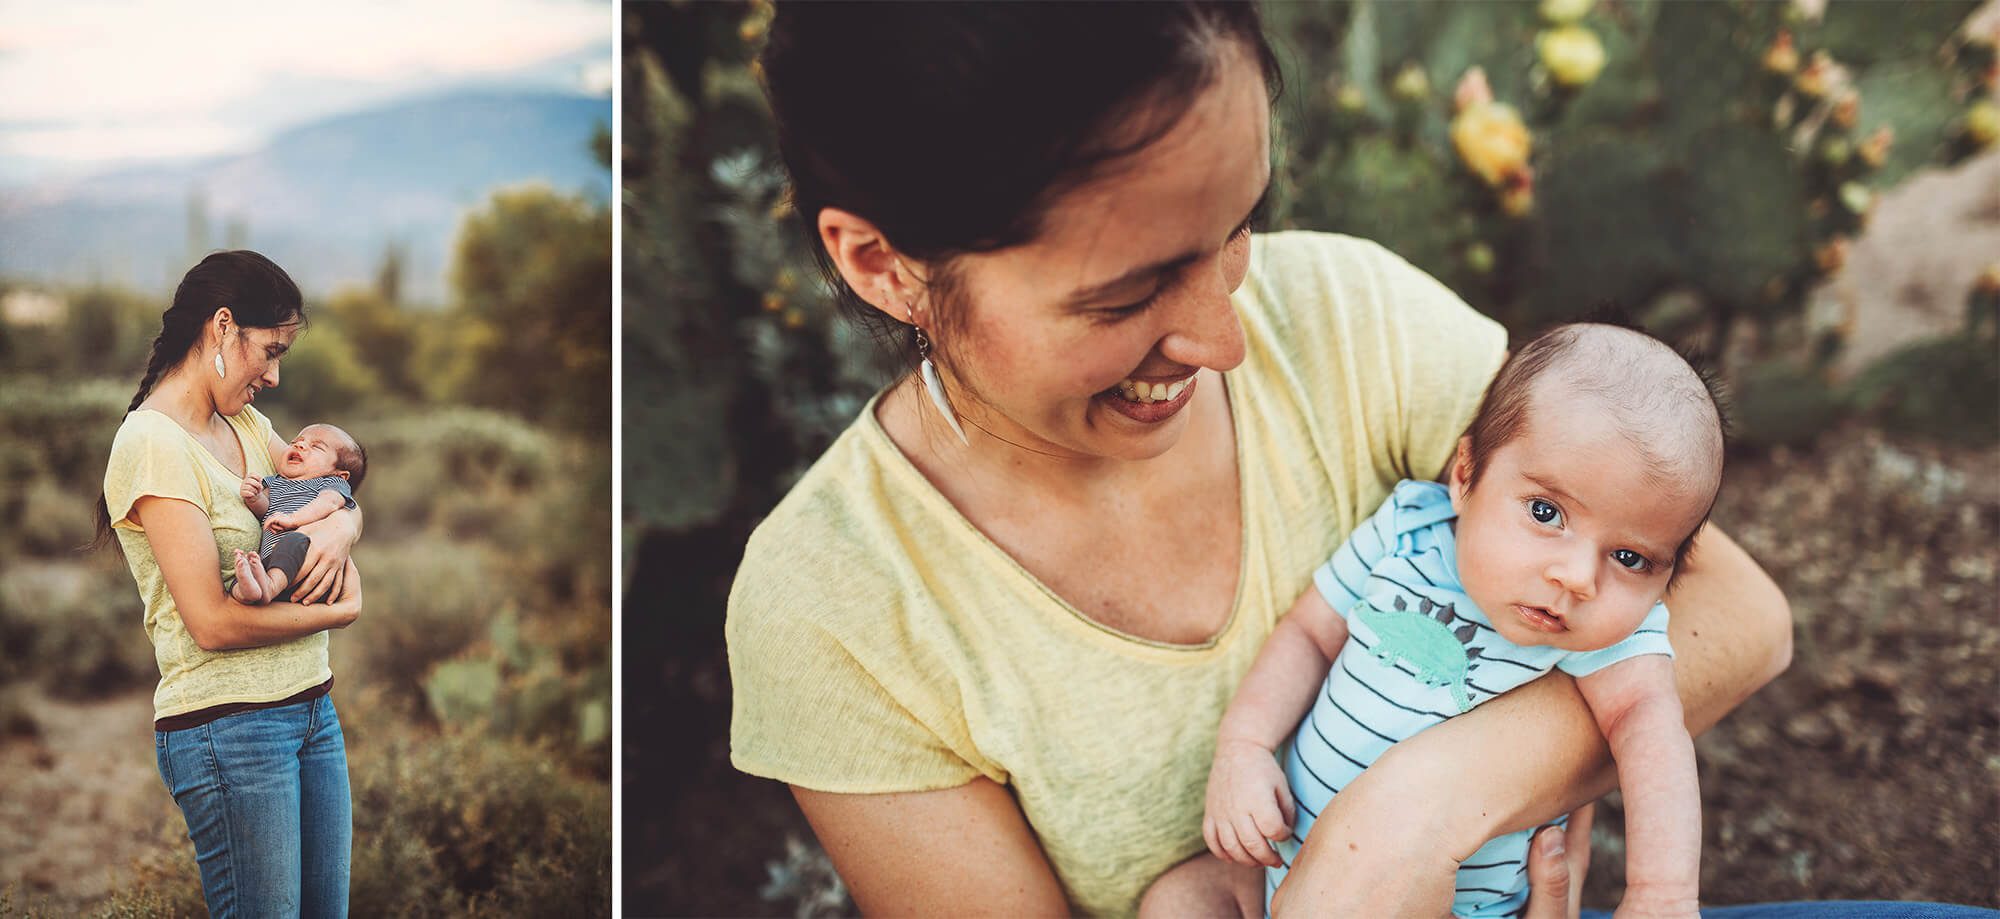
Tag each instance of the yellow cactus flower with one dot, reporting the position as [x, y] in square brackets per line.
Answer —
[1819, 77]
[1875, 150]
[1490, 136]
[1564, 12]
[1572, 54]
[1982, 124]
[1846, 108]
[1782, 57]
[1411, 83]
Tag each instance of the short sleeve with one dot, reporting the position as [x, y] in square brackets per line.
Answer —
[339, 485]
[1342, 578]
[148, 460]
[1649, 638]
[1443, 355]
[806, 711]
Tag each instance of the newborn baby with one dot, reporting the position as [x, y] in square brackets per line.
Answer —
[318, 475]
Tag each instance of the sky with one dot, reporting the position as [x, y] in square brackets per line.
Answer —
[87, 85]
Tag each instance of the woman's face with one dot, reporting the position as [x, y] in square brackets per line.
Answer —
[250, 360]
[1128, 283]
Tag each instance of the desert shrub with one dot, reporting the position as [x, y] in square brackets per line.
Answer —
[75, 628]
[61, 430]
[546, 681]
[322, 379]
[427, 599]
[465, 817]
[457, 471]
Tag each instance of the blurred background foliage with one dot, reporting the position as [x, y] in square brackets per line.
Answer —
[1703, 169]
[476, 689]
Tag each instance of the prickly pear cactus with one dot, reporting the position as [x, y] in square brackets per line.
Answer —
[1424, 641]
[1723, 152]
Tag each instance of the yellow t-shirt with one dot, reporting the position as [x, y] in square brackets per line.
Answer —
[878, 642]
[153, 455]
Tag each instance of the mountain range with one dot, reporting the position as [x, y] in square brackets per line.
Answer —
[326, 198]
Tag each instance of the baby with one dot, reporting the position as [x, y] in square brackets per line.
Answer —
[1572, 501]
[318, 475]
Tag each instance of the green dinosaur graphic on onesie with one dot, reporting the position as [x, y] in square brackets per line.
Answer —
[1424, 641]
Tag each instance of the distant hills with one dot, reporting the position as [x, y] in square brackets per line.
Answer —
[324, 199]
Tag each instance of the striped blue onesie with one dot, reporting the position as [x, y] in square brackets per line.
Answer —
[288, 495]
[1418, 651]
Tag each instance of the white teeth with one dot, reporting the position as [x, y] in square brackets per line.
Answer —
[1145, 393]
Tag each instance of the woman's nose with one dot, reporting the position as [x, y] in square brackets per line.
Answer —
[271, 375]
[1206, 331]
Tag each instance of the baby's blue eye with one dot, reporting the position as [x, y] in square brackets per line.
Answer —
[1544, 512]
[1632, 561]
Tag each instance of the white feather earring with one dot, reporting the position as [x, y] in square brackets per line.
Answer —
[218, 365]
[933, 386]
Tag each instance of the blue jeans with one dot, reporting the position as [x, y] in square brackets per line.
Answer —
[1833, 909]
[265, 797]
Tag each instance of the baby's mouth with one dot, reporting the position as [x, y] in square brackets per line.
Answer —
[1541, 618]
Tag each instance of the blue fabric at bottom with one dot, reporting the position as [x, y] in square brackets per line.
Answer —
[266, 799]
[1833, 909]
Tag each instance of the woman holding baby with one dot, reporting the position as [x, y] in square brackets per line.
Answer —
[245, 731]
[988, 638]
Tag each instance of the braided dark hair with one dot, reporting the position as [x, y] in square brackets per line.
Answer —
[259, 294]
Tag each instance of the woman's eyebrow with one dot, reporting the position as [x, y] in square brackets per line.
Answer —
[1163, 266]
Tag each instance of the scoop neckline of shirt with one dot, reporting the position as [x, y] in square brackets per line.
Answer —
[202, 448]
[879, 436]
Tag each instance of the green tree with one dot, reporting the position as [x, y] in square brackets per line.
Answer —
[531, 279]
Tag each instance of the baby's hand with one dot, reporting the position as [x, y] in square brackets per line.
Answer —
[279, 523]
[251, 487]
[1248, 804]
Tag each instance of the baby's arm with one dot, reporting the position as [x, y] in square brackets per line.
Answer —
[1248, 800]
[322, 504]
[254, 496]
[1639, 710]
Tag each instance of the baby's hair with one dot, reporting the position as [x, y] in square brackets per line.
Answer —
[349, 457]
[1668, 404]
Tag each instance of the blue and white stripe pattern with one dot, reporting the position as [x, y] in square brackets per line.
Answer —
[288, 495]
[1403, 559]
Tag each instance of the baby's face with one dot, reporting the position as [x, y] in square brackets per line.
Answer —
[1564, 541]
[311, 454]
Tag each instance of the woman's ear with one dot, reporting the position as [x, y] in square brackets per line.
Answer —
[870, 266]
[222, 320]
[1459, 475]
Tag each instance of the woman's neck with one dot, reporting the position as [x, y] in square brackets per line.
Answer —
[178, 395]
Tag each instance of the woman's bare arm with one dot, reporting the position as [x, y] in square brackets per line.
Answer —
[184, 547]
[1528, 756]
[964, 851]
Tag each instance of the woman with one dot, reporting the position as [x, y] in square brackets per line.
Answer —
[245, 732]
[988, 637]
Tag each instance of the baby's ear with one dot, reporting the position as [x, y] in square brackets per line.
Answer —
[340, 472]
[1459, 472]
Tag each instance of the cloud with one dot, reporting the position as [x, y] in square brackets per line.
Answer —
[126, 79]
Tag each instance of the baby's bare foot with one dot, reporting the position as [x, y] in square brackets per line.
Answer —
[250, 586]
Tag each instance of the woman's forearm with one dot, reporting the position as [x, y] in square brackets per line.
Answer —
[1538, 750]
[232, 626]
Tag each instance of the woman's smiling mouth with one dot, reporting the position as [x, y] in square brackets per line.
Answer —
[1149, 400]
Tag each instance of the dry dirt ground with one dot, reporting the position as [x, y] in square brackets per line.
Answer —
[82, 808]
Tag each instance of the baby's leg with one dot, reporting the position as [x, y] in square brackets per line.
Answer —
[1206, 886]
[251, 588]
[282, 563]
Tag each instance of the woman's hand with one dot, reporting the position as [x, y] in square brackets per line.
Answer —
[347, 606]
[326, 566]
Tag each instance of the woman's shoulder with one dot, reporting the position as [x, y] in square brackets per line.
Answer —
[828, 546]
[147, 431]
